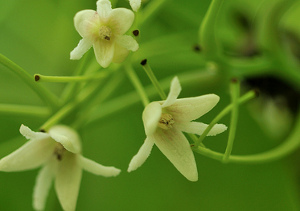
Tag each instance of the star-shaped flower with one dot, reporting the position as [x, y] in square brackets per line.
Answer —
[104, 29]
[164, 123]
[58, 152]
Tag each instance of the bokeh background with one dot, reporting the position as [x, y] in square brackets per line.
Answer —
[39, 35]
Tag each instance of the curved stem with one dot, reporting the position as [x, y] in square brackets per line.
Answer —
[244, 98]
[49, 98]
[290, 145]
[207, 29]
[235, 93]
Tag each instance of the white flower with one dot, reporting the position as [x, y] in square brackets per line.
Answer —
[164, 122]
[135, 4]
[58, 152]
[104, 30]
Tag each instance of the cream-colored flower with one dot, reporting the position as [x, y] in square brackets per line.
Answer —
[135, 4]
[164, 123]
[104, 29]
[58, 152]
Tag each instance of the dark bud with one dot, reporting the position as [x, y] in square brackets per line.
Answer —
[144, 62]
[42, 130]
[36, 77]
[197, 48]
[234, 80]
[136, 32]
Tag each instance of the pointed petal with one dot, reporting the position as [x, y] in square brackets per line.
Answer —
[188, 109]
[83, 46]
[104, 51]
[104, 8]
[67, 137]
[151, 117]
[67, 181]
[199, 127]
[98, 169]
[174, 145]
[142, 155]
[29, 134]
[135, 4]
[121, 20]
[128, 42]
[120, 53]
[87, 23]
[42, 187]
[29, 156]
[174, 92]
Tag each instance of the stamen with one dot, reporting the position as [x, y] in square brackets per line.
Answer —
[59, 151]
[166, 121]
[105, 33]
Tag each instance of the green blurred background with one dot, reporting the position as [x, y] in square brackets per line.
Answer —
[39, 35]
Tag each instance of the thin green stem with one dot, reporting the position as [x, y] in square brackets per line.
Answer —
[49, 98]
[290, 145]
[249, 95]
[66, 79]
[207, 29]
[202, 79]
[235, 93]
[24, 110]
[153, 79]
[137, 84]
[105, 92]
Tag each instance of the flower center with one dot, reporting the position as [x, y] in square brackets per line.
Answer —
[59, 151]
[166, 121]
[105, 33]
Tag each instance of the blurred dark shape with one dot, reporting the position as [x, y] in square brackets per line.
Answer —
[276, 88]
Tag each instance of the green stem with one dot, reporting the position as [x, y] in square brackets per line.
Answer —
[291, 144]
[207, 29]
[43, 93]
[201, 79]
[65, 79]
[235, 93]
[24, 110]
[249, 95]
[137, 84]
[153, 79]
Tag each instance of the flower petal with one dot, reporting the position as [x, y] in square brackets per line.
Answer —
[120, 53]
[67, 137]
[135, 4]
[98, 169]
[104, 8]
[174, 92]
[87, 23]
[174, 145]
[142, 155]
[42, 187]
[199, 127]
[67, 181]
[104, 51]
[83, 46]
[121, 20]
[29, 134]
[188, 109]
[151, 117]
[29, 156]
[128, 42]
